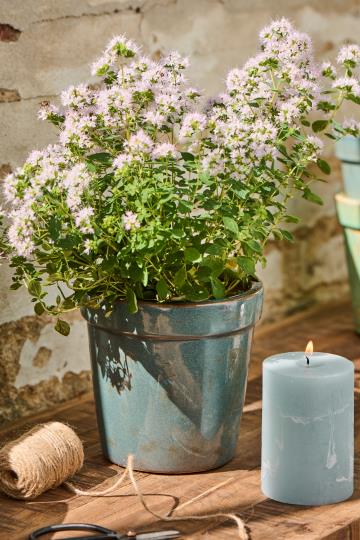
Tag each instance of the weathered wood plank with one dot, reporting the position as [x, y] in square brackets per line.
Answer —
[331, 329]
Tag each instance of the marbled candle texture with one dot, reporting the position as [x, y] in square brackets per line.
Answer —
[307, 428]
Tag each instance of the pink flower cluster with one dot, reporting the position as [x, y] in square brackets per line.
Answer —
[130, 221]
[75, 181]
[274, 89]
[23, 191]
[349, 55]
[146, 117]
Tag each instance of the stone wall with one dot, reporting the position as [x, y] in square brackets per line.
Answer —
[46, 45]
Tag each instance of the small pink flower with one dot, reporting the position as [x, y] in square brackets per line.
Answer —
[193, 124]
[130, 221]
[350, 84]
[235, 79]
[315, 146]
[165, 150]
[46, 110]
[82, 220]
[140, 142]
[328, 70]
[122, 47]
[155, 118]
[349, 54]
[121, 161]
[352, 125]
[176, 62]
[87, 246]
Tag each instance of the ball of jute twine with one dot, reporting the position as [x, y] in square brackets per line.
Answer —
[39, 460]
[49, 454]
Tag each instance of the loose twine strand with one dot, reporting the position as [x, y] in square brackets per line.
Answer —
[129, 472]
[49, 454]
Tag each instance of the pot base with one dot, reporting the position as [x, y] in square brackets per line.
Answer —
[167, 472]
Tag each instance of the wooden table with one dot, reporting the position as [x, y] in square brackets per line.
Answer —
[331, 329]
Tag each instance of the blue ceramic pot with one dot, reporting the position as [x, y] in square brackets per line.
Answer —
[348, 150]
[348, 211]
[170, 380]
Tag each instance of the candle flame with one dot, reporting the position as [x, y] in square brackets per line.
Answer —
[309, 348]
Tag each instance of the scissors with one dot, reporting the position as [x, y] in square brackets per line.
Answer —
[104, 533]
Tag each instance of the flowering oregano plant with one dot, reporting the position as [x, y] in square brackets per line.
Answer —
[152, 192]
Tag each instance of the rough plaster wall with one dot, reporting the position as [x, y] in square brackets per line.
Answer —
[46, 45]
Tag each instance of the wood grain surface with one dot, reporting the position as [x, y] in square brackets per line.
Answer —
[331, 329]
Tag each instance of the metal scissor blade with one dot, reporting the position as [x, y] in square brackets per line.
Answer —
[159, 535]
[110, 536]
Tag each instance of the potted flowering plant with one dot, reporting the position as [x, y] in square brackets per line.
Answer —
[151, 213]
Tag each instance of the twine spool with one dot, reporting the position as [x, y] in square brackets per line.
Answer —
[41, 459]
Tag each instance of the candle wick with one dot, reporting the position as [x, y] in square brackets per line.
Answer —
[307, 360]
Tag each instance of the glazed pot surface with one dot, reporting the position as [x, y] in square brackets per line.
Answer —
[170, 380]
[348, 150]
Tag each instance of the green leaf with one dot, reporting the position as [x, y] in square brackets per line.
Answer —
[216, 265]
[196, 293]
[180, 277]
[355, 99]
[145, 277]
[51, 268]
[319, 125]
[54, 228]
[108, 264]
[192, 254]
[241, 193]
[282, 148]
[291, 219]
[178, 233]
[277, 234]
[203, 274]
[68, 242]
[187, 156]
[326, 106]
[132, 301]
[90, 166]
[123, 50]
[205, 178]
[330, 136]
[230, 224]
[100, 157]
[15, 286]
[184, 206]
[162, 289]
[62, 327]
[214, 249]
[312, 197]
[68, 303]
[254, 246]
[323, 166]
[246, 264]
[39, 308]
[287, 235]
[34, 287]
[218, 288]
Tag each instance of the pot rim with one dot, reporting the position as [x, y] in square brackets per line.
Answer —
[234, 315]
[255, 289]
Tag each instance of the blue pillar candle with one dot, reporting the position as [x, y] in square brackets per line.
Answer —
[307, 428]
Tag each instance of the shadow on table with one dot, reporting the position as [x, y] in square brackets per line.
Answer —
[55, 506]
[19, 518]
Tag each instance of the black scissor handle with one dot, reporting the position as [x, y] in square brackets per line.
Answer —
[75, 527]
